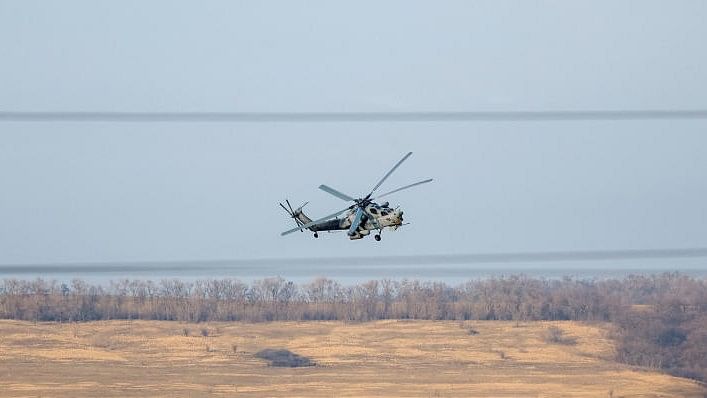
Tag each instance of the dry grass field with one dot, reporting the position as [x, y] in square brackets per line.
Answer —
[385, 358]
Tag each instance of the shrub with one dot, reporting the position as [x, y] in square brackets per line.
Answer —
[284, 358]
[555, 335]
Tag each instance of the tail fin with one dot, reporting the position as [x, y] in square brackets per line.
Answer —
[300, 216]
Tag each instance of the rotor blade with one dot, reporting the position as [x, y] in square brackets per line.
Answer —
[288, 212]
[405, 187]
[335, 192]
[309, 224]
[389, 173]
[302, 205]
[356, 221]
[290, 206]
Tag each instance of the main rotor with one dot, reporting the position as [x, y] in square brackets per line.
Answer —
[366, 200]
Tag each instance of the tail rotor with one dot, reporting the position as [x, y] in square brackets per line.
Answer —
[294, 213]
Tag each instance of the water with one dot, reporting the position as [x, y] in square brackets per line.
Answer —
[351, 271]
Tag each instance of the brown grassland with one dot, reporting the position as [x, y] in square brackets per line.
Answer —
[382, 358]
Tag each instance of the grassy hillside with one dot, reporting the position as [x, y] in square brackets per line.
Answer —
[384, 358]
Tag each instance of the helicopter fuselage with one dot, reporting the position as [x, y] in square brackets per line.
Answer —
[376, 217]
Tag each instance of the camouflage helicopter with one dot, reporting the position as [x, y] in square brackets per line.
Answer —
[362, 217]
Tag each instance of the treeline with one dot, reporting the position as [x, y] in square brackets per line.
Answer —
[661, 319]
[272, 299]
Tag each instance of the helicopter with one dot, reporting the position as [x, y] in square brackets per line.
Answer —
[362, 217]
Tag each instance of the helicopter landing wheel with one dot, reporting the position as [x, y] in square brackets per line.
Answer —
[316, 235]
[377, 237]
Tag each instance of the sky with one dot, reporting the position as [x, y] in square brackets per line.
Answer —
[106, 191]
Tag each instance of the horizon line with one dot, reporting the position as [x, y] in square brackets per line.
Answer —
[363, 116]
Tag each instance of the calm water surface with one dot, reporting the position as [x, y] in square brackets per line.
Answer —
[347, 273]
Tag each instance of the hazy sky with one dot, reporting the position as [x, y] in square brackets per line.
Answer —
[74, 192]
